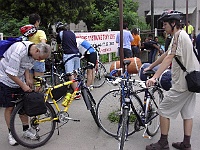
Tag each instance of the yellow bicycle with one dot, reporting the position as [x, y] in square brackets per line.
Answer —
[43, 126]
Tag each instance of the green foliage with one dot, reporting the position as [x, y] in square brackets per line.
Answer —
[109, 14]
[115, 115]
[50, 11]
[99, 15]
[10, 26]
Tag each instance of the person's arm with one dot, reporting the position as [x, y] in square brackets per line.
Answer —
[163, 66]
[16, 79]
[117, 38]
[29, 81]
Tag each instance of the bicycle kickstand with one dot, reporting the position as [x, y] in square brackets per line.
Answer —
[144, 134]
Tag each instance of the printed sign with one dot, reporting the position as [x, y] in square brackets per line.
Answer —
[105, 39]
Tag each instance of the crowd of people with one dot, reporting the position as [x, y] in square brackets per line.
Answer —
[133, 46]
[23, 60]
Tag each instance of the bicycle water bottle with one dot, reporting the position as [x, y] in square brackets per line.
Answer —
[66, 99]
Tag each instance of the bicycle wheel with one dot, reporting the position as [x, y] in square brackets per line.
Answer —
[99, 78]
[154, 123]
[42, 131]
[90, 103]
[122, 132]
[108, 113]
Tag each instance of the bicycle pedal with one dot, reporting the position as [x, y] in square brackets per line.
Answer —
[77, 120]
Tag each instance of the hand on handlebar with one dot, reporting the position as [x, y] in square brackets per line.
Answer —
[151, 82]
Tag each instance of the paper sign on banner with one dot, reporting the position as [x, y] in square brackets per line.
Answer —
[105, 39]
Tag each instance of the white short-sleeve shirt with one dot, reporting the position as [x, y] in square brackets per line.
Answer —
[185, 54]
[15, 62]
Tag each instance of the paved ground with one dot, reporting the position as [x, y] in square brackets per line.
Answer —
[85, 135]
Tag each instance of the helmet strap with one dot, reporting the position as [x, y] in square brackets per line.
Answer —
[172, 26]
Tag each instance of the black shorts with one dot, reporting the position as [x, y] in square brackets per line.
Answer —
[6, 95]
[92, 58]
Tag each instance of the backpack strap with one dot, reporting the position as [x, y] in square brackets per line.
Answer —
[196, 54]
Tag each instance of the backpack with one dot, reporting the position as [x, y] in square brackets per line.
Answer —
[5, 44]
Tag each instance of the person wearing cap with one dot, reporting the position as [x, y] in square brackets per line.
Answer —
[178, 99]
[71, 56]
[14, 77]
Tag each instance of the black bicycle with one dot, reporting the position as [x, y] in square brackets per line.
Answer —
[130, 108]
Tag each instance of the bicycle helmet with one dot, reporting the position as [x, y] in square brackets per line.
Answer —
[60, 26]
[170, 15]
[28, 30]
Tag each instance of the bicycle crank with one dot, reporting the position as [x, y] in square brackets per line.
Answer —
[64, 117]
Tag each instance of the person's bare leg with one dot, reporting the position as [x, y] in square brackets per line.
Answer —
[164, 125]
[90, 77]
[74, 85]
[7, 115]
[163, 141]
[187, 124]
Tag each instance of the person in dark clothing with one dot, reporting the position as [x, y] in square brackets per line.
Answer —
[71, 55]
[198, 45]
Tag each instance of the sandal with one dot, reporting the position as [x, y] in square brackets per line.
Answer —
[157, 146]
[181, 146]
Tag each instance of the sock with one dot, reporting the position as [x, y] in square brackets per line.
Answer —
[8, 130]
[186, 140]
[25, 127]
[163, 139]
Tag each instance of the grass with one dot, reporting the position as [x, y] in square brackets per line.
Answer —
[114, 117]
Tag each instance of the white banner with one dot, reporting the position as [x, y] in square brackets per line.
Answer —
[105, 39]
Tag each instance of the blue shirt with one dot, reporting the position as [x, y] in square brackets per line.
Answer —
[127, 39]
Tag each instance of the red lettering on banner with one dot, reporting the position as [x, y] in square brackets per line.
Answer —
[97, 37]
[105, 50]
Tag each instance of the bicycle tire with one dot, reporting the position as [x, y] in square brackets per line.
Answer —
[154, 124]
[99, 78]
[123, 129]
[108, 113]
[44, 134]
[90, 103]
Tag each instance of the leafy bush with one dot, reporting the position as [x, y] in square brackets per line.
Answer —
[10, 26]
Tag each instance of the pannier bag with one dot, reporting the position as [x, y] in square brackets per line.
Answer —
[34, 104]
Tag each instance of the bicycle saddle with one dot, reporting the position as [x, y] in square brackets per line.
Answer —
[149, 72]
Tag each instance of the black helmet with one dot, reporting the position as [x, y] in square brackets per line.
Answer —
[170, 15]
[60, 26]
